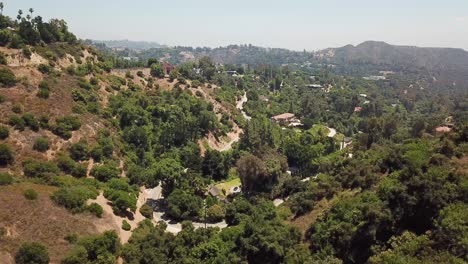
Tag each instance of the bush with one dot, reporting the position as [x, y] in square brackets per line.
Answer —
[126, 226]
[45, 69]
[95, 209]
[74, 198]
[79, 151]
[7, 77]
[5, 37]
[6, 155]
[146, 211]
[105, 172]
[37, 169]
[17, 108]
[31, 121]
[32, 253]
[64, 125]
[79, 171]
[140, 74]
[215, 213]
[65, 163]
[5, 179]
[44, 90]
[4, 132]
[17, 122]
[157, 70]
[41, 144]
[71, 238]
[30, 194]
[3, 59]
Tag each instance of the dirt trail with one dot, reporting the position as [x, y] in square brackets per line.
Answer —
[116, 221]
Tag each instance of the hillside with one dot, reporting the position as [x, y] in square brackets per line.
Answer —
[445, 66]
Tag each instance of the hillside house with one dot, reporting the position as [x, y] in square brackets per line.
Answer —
[286, 119]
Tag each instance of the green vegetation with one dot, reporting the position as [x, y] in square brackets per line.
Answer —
[4, 132]
[41, 144]
[32, 252]
[7, 77]
[30, 194]
[6, 179]
[6, 155]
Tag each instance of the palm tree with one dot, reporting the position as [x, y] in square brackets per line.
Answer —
[20, 13]
[1, 8]
[31, 11]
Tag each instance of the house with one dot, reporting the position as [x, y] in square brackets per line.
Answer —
[315, 86]
[357, 109]
[167, 67]
[283, 119]
[214, 191]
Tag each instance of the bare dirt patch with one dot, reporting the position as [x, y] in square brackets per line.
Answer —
[39, 220]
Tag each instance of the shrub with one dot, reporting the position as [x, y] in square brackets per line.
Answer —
[126, 226]
[43, 93]
[95, 209]
[71, 70]
[94, 81]
[17, 122]
[6, 155]
[41, 144]
[140, 74]
[37, 169]
[3, 59]
[4, 132]
[5, 179]
[31, 121]
[79, 151]
[215, 213]
[79, 171]
[30, 194]
[5, 37]
[74, 198]
[96, 153]
[32, 252]
[64, 125]
[157, 70]
[105, 172]
[17, 108]
[44, 90]
[26, 52]
[7, 77]
[45, 69]
[146, 211]
[65, 163]
[71, 238]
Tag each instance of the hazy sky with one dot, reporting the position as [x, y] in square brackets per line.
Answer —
[294, 24]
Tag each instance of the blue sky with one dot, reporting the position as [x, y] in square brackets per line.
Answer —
[293, 24]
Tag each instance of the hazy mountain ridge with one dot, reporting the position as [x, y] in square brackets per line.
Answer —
[129, 44]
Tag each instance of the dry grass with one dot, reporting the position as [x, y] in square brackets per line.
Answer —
[39, 220]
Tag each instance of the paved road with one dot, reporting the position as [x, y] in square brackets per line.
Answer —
[240, 106]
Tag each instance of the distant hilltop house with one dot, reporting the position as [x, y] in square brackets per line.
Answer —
[286, 119]
[357, 109]
[315, 86]
[375, 78]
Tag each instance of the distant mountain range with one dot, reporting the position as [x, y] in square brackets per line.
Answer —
[129, 44]
[445, 66]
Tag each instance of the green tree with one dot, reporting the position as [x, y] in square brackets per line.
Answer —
[41, 144]
[6, 155]
[32, 252]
